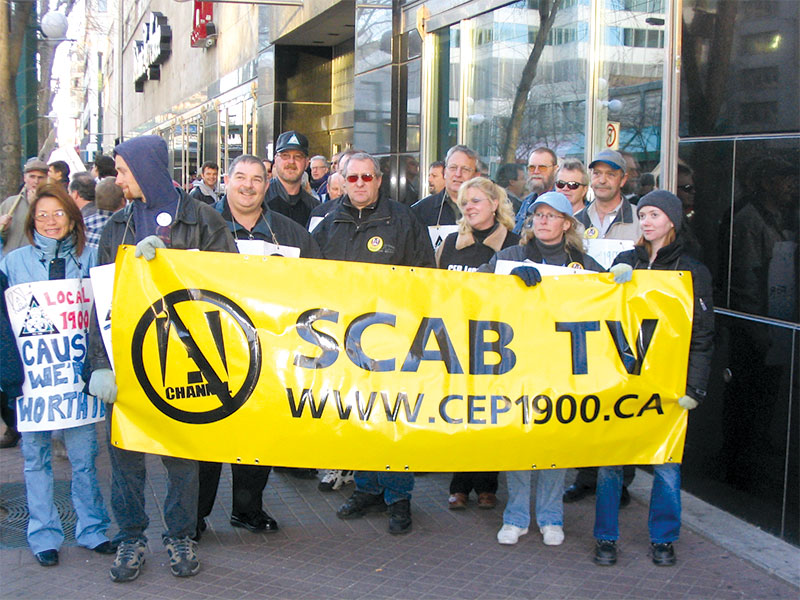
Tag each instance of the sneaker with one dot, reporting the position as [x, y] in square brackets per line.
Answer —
[182, 556]
[344, 478]
[400, 517]
[128, 562]
[509, 534]
[359, 504]
[553, 535]
[605, 553]
[663, 554]
[335, 479]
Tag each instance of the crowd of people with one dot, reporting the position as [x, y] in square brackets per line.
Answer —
[58, 227]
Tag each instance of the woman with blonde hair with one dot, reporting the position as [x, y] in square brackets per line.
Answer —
[484, 228]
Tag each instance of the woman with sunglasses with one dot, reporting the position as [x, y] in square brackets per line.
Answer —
[572, 180]
[484, 228]
[54, 227]
[548, 237]
[660, 247]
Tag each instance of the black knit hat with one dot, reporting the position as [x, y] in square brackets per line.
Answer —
[665, 201]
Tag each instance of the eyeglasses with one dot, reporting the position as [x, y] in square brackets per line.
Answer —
[291, 156]
[365, 177]
[457, 168]
[44, 216]
[546, 216]
[688, 188]
[570, 185]
[535, 168]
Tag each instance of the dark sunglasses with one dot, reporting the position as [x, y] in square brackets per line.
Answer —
[365, 177]
[572, 185]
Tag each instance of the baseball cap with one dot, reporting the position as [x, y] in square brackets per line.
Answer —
[292, 140]
[611, 157]
[34, 164]
[554, 200]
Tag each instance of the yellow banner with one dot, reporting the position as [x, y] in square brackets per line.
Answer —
[300, 362]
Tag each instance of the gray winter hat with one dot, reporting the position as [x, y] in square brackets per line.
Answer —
[665, 201]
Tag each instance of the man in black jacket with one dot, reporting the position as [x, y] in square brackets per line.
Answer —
[205, 190]
[461, 164]
[286, 194]
[368, 228]
[159, 215]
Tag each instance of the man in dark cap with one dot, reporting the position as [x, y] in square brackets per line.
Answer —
[159, 215]
[286, 194]
[13, 210]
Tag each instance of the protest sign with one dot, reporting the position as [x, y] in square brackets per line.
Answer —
[400, 369]
[50, 320]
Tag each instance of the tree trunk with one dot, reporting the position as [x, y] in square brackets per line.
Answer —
[11, 35]
[547, 14]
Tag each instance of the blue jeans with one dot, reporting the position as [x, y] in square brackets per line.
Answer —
[128, 475]
[664, 521]
[44, 526]
[549, 498]
[394, 486]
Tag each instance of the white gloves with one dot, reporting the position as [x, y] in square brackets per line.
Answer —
[622, 273]
[103, 385]
[688, 402]
[147, 247]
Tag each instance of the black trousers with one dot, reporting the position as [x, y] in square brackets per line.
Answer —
[479, 481]
[587, 476]
[8, 410]
[249, 482]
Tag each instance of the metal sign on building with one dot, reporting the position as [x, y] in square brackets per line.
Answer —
[152, 51]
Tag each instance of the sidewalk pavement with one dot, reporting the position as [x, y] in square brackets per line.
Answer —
[447, 555]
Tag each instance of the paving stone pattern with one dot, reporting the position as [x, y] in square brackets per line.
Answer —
[447, 555]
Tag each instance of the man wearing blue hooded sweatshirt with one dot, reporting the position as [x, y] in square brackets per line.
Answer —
[158, 215]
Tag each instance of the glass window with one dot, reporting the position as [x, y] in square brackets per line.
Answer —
[752, 39]
[373, 38]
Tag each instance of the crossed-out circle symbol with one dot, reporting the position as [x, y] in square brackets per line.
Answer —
[230, 402]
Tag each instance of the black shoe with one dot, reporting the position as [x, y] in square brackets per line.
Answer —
[106, 547]
[625, 498]
[259, 522]
[663, 554]
[298, 473]
[10, 438]
[400, 517]
[359, 504]
[605, 553]
[47, 558]
[577, 492]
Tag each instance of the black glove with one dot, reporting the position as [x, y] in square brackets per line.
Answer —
[530, 275]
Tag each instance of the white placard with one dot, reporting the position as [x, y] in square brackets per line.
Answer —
[605, 251]
[103, 288]
[504, 267]
[438, 233]
[50, 320]
[313, 222]
[262, 248]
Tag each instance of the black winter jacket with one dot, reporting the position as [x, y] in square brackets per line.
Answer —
[197, 226]
[298, 211]
[463, 252]
[11, 373]
[673, 258]
[383, 233]
[530, 252]
[430, 211]
[286, 231]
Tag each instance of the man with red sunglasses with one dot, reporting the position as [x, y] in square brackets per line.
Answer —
[368, 227]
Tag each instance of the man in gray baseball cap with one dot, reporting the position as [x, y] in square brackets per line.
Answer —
[13, 210]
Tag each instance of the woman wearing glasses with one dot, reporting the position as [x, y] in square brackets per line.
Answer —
[54, 227]
[572, 180]
[548, 237]
[484, 228]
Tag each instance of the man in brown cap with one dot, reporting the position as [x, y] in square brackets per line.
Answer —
[14, 209]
